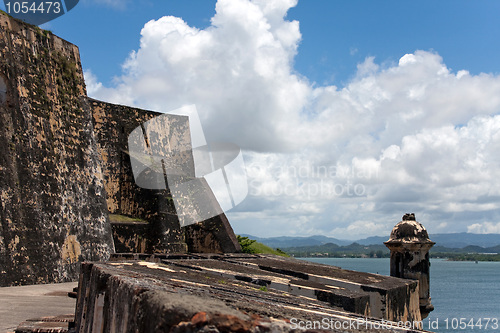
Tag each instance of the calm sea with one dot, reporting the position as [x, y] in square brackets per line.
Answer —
[465, 295]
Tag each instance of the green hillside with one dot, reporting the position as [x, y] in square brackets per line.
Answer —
[253, 247]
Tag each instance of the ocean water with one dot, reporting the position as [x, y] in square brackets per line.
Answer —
[465, 295]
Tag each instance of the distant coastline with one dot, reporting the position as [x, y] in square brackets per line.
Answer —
[447, 256]
[471, 257]
[324, 247]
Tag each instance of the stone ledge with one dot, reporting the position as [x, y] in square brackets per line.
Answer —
[53, 324]
[223, 293]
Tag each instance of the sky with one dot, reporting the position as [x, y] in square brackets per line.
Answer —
[349, 113]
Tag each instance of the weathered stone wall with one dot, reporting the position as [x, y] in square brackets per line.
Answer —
[214, 235]
[113, 125]
[53, 210]
[65, 165]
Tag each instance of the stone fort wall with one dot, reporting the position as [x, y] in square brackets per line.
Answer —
[64, 168]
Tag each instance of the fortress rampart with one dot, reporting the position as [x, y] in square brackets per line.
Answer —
[65, 175]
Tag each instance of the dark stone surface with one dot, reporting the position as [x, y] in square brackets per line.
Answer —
[409, 231]
[214, 235]
[113, 125]
[53, 210]
[189, 293]
[356, 302]
[130, 237]
[51, 324]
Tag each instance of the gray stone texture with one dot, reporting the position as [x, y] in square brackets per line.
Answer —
[53, 204]
[237, 292]
[64, 166]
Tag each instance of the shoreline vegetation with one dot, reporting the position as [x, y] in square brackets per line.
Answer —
[251, 246]
[355, 250]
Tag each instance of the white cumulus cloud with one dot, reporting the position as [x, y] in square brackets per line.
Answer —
[484, 228]
[410, 137]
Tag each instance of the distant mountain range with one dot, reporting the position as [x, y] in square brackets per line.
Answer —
[456, 240]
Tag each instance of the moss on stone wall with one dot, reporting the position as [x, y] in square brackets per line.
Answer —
[53, 210]
[64, 167]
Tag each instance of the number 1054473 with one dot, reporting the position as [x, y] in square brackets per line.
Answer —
[477, 324]
[25, 7]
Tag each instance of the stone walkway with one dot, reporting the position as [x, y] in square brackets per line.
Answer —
[18, 304]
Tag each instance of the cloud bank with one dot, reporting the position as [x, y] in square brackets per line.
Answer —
[412, 136]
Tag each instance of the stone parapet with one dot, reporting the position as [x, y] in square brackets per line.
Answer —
[245, 293]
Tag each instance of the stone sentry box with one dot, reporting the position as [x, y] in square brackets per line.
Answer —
[410, 244]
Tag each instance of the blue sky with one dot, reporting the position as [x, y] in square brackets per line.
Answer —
[463, 32]
[336, 35]
[349, 113]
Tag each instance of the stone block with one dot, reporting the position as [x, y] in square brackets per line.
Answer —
[227, 293]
